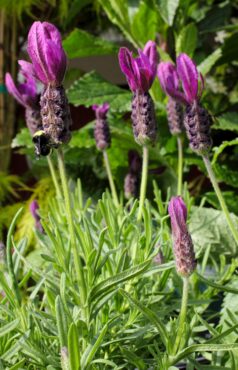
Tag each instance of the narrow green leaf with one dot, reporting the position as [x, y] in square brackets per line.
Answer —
[104, 286]
[202, 348]
[73, 347]
[10, 265]
[90, 352]
[224, 288]
[150, 315]
[8, 327]
[227, 122]
[61, 320]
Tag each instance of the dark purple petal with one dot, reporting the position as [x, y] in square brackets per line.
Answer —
[13, 90]
[150, 50]
[36, 50]
[101, 110]
[169, 81]
[178, 215]
[57, 61]
[127, 65]
[188, 74]
[26, 68]
[46, 52]
[52, 33]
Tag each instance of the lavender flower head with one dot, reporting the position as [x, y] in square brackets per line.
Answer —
[140, 73]
[197, 120]
[182, 241]
[26, 94]
[34, 207]
[101, 130]
[49, 64]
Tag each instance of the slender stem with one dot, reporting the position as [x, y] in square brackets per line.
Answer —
[183, 313]
[143, 184]
[220, 198]
[110, 178]
[180, 165]
[77, 260]
[54, 177]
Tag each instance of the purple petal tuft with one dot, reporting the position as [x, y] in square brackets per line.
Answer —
[169, 81]
[101, 110]
[46, 52]
[188, 74]
[178, 214]
[13, 90]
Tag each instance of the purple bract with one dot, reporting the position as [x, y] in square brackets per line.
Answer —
[101, 110]
[25, 93]
[46, 53]
[141, 71]
[186, 74]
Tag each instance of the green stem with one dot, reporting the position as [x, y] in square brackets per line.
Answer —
[68, 207]
[180, 165]
[220, 197]
[54, 177]
[183, 313]
[143, 184]
[110, 178]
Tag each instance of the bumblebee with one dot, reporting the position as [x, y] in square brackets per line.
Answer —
[42, 143]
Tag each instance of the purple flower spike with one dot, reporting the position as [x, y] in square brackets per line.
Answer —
[101, 110]
[169, 80]
[141, 71]
[182, 242]
[46, 52]
[189, 76]
[34, 206]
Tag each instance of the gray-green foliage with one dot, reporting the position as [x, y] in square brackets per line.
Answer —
[132, 303]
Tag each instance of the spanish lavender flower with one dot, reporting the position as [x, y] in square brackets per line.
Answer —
[26, 94]
[49, 62]
[101, 130]
[182, 241]
[169, 81]
[34, 206]
[140, 73]
[132, 179]
[197, 120]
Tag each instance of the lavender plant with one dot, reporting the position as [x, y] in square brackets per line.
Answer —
[100, 297]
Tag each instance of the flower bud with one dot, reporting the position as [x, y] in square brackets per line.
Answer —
[182, 242]
[55, 113]
[131, 183]
[197, 122]
[101, 131]
[143, 118]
